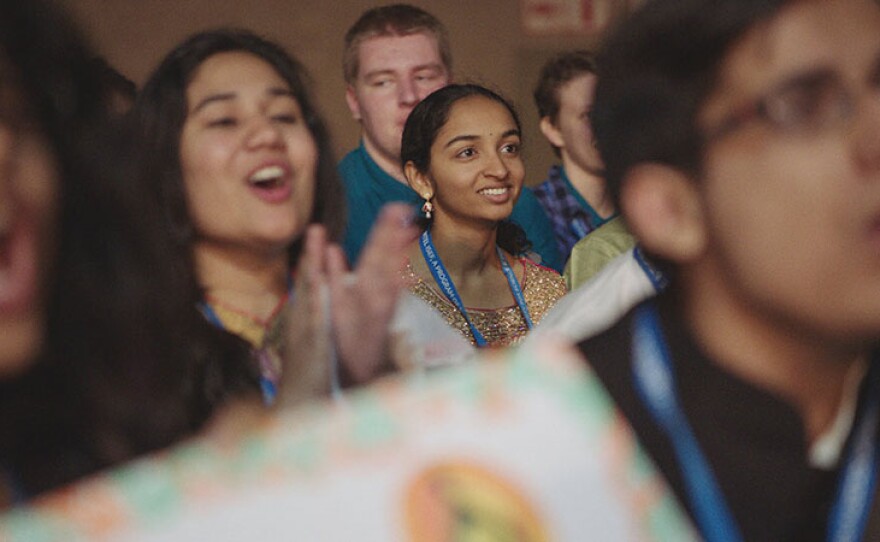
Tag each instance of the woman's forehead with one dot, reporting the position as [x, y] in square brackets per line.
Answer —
[477, 115]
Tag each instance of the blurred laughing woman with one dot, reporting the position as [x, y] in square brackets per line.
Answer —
[100, 356]
[242, 164]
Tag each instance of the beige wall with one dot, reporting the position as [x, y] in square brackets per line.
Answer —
[488, 46]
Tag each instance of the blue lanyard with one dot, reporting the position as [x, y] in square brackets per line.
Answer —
[579, 228]
[441, 277]
[268, 380]
[655, 383]
[658, 281]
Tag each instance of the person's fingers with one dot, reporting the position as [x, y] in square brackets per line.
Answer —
[344, 297]
[311, 258]
[306, 367]
[361, 304]
[337, 267]
[392, 233]
[310, 268]
[306, 373]
[361, 310]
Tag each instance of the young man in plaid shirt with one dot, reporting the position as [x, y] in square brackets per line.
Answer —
[574, 194]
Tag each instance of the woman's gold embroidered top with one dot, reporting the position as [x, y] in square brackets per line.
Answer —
[504, 326]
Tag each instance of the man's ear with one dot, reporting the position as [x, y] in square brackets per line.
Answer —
[353, 105]
[664, 211]
[418, 181]
[551, 132]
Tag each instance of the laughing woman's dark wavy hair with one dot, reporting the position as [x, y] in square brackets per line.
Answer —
[122, 368]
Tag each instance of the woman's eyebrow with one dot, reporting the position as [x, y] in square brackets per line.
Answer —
[280, 91]
[223, 96]
[456, 139]
[227, 96]
[467, 137]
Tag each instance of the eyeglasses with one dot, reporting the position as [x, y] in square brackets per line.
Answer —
[808, 104]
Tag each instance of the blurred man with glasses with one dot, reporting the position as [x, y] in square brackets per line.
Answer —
[741, 139]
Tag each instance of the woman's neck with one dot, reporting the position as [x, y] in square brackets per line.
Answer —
[247, 282]
[465, 251]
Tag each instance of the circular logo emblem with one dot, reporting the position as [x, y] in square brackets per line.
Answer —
[463, 502]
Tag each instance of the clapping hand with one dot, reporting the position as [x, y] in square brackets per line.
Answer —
[335, 310]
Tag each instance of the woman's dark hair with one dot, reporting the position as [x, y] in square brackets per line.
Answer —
[121, 91]
[161, 110]
[421, 129]
[124, 368]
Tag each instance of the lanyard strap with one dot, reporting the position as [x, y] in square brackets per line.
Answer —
[658, 281]
[441, 277]
[858, 481]
[655, 382]
[267, 359]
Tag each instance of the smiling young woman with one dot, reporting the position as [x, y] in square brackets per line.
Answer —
[461, 153]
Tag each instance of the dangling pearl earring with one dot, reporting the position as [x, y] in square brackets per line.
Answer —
[428, 208]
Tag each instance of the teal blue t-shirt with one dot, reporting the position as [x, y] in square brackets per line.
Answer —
[368, 188]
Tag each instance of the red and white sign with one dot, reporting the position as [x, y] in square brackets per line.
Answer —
[553, 17]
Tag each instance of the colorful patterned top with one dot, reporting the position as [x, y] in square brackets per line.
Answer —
[257, 332]
[266, 338]
[505, 326]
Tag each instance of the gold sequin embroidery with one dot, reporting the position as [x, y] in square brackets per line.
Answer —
[504, 326]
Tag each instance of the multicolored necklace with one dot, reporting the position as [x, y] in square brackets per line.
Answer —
[264, 335]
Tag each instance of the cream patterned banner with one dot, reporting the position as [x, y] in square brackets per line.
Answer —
[527, 448]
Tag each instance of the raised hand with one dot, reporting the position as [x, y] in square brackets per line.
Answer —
[363, 302]
[337, 311]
